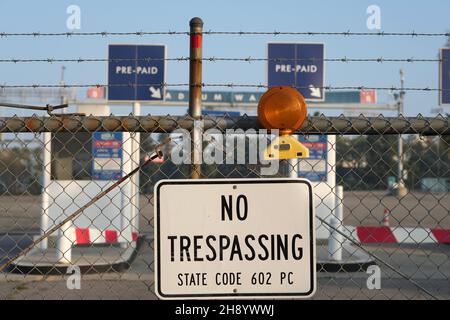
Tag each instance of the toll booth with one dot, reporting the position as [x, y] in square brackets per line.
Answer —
[80, 165]
[320, 169]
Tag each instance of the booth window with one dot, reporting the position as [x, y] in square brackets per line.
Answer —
[71, 156]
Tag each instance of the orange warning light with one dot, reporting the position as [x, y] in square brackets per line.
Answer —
[283, 108]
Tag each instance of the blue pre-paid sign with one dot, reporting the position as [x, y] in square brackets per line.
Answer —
[314, 168]
[107, 155]
[297, 64]
[445, 76]
[136, 72]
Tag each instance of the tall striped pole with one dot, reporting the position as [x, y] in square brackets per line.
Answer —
[195, 94]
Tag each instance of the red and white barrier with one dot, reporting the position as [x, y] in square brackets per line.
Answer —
[83, 236]
[383, 234]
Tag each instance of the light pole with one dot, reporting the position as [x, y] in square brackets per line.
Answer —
[61, 90]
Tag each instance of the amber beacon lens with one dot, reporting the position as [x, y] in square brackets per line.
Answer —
[282, 108]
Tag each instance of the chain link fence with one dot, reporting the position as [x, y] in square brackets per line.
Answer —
[395, 225]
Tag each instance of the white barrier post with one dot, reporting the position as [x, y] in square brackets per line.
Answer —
[336, 240]
[64, 244]
[126, 192]
[45, 183]
[135, 161]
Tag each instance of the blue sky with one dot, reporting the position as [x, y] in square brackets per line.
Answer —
[396, 16]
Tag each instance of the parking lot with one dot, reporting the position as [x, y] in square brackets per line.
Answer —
[21, 214]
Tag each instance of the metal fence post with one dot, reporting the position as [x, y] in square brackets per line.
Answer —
[195, 94]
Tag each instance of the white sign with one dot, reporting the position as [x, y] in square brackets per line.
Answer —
[227, 238]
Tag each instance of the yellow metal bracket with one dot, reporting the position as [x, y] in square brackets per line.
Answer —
[285, 147]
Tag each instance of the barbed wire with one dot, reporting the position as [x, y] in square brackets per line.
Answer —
[319, 33]
[96, 33]
[348, 33]
[224, 85]
[217, 59]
